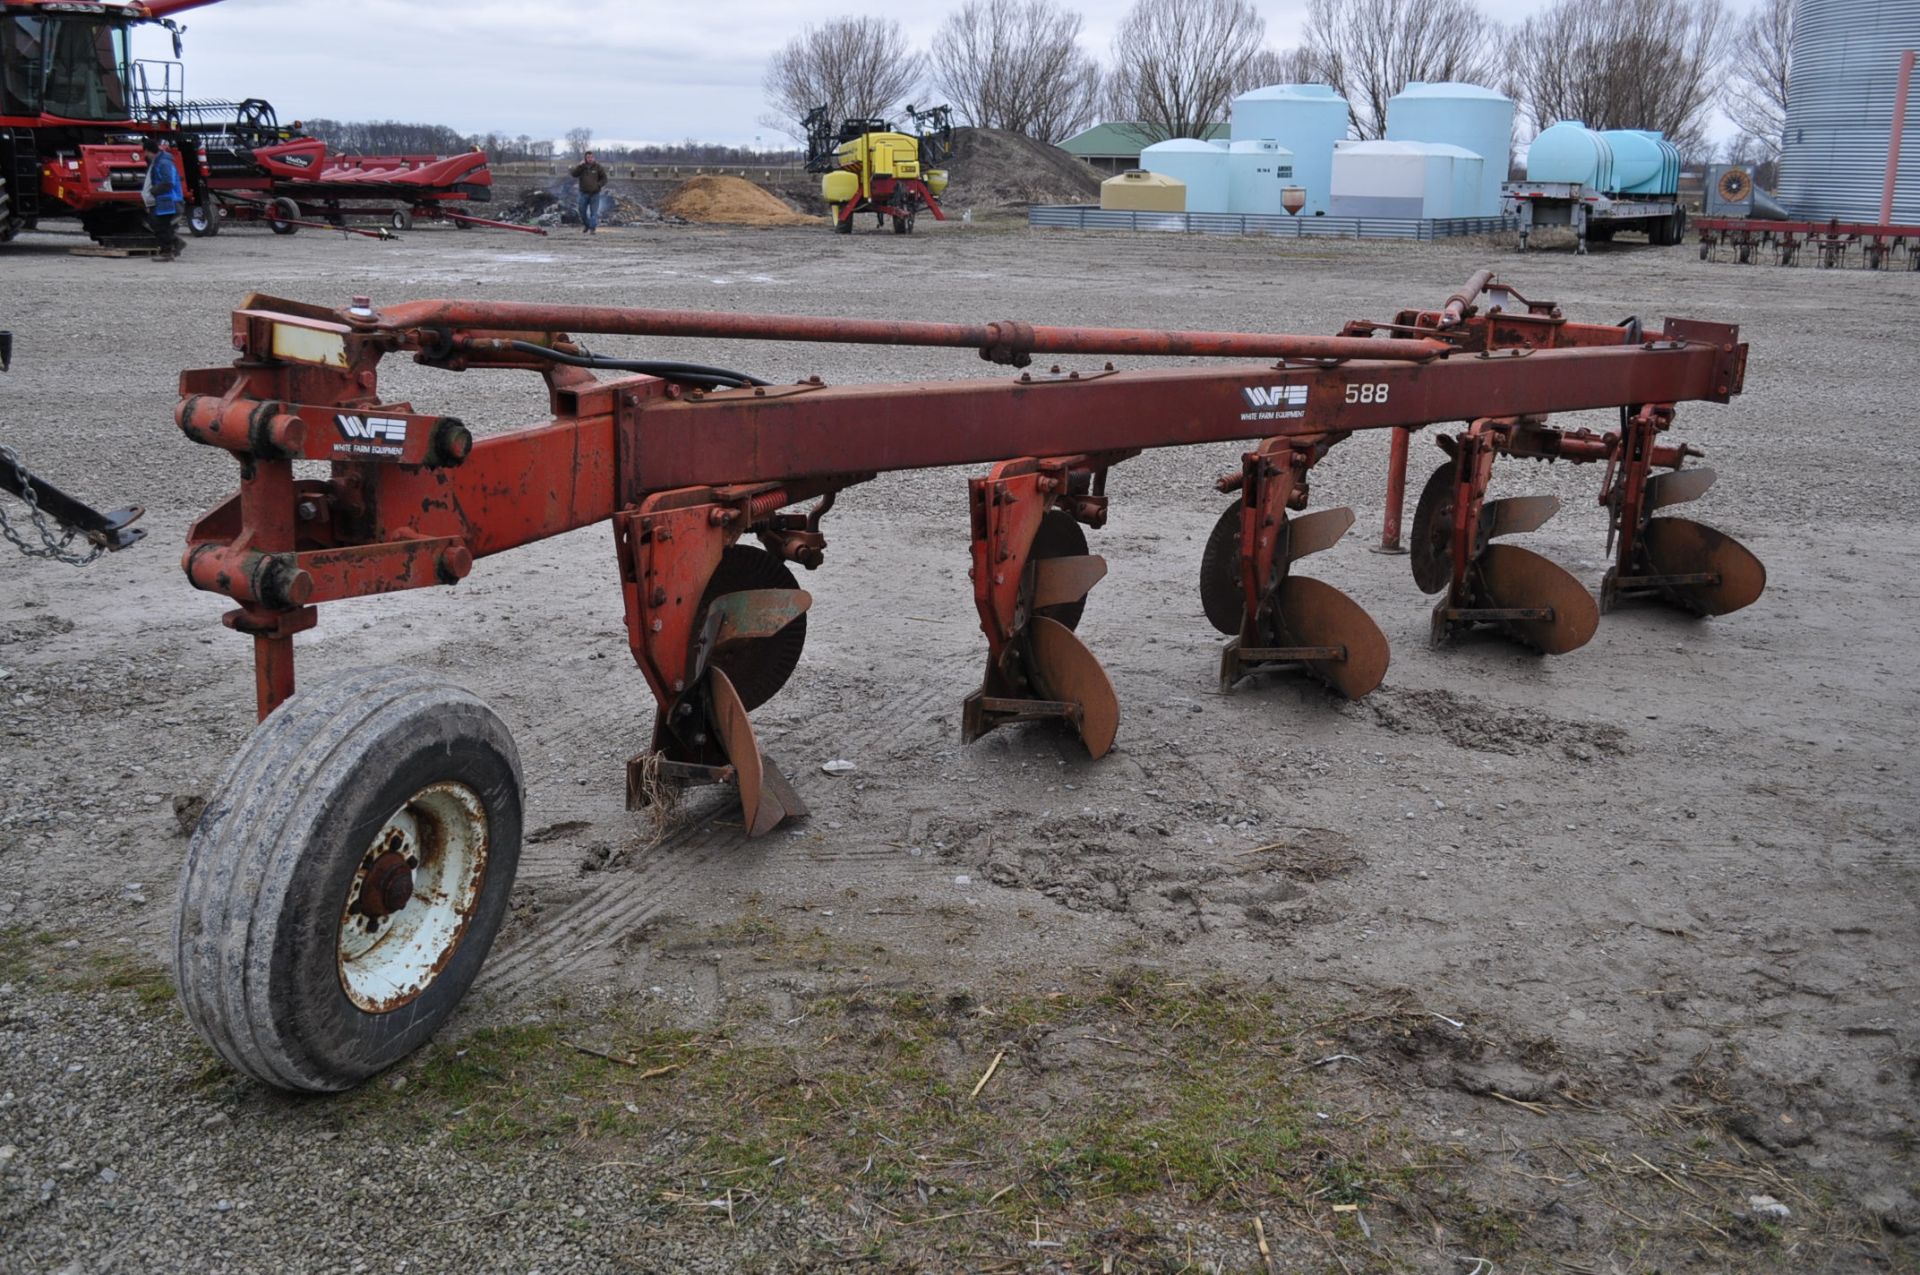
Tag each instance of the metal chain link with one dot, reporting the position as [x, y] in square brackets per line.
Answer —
[53, 544]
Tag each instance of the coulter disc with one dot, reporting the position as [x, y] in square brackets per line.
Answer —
[1062, 668]
[758, 667]
[1510, 576]
[1681, 546]
[1430, 543]
[1313, 613]
[1060, 536]
[1221, 596]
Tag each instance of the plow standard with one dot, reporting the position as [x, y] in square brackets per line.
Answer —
[355, 862]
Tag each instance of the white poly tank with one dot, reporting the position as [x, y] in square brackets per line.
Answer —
[1465, 115]
[1410, 180]
[1307, 119]
[1201, 165]
[1257, 171]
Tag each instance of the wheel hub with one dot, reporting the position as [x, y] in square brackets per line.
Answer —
[411, 897]
[388, 886]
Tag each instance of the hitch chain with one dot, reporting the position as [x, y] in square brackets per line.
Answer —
[51, 545]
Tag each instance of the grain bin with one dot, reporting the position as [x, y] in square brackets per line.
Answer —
[1201, 165]
[1140, 191]
[1307, 119]
[1846, 69]
[1465, 115]
[1257, 171]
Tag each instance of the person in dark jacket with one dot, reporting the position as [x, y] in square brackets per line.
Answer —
[162, 195]
[593, 180]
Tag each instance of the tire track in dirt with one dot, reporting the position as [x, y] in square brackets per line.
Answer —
[602, 918]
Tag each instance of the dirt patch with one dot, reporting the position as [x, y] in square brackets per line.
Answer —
[1467, 722]
[994, 168]
[730, 201]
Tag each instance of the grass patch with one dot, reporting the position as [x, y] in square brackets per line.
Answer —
[1132, 1101]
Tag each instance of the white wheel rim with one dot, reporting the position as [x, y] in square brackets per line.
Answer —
[388, 960]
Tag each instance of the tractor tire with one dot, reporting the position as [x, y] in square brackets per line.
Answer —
[350, 872]
[402, 219]
[203, 219]
[285, 213]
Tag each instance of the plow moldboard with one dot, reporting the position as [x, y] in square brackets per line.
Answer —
[1681, 546]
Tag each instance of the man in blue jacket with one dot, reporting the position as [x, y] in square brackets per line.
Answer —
[162, 195]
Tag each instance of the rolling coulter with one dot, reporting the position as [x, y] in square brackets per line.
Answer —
[355, 861]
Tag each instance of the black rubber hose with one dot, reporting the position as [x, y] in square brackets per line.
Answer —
[686, 373]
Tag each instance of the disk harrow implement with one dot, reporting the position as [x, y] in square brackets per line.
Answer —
[715, 483]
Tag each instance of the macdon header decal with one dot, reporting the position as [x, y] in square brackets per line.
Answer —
[371, 435]
[1274, 402]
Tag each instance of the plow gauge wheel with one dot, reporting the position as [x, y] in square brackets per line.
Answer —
[347, 879]
[756, 668]
[1430, 544]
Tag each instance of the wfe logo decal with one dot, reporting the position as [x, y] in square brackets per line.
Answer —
[1275, 395]
[378, 429]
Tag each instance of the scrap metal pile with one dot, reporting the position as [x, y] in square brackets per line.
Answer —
[356, 859]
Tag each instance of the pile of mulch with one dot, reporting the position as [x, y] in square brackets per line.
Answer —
[730, 201]
[993, 168]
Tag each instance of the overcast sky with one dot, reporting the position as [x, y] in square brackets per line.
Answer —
[635, 70]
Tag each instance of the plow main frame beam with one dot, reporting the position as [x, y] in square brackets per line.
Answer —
[413, 499]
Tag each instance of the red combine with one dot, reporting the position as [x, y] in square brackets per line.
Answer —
[70, 126]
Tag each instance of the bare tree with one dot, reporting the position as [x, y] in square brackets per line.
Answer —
[1369, 50]
[1272, 66]
[578, 139]
[1756, 94]
[855, 67]
[1177, 63]
[1017, 64]
[1623, 64]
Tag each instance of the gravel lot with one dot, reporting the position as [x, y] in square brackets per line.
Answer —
[1609, 945]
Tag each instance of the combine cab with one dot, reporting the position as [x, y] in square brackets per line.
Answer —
[871, 167]
[69, 133]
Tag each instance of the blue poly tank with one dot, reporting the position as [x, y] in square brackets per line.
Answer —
[1644, 162]
[1201, 165]
[1571, 152]
[1462, 115]
[1307, 119]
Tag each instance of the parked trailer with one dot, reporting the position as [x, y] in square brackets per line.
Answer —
[1592, 214]
[356, 859]
[1830, 244]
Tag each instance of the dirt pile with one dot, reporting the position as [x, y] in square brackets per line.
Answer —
[730, 201]
[995, 168]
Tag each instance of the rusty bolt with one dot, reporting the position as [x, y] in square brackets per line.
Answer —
[659, 596]
[657, 625]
